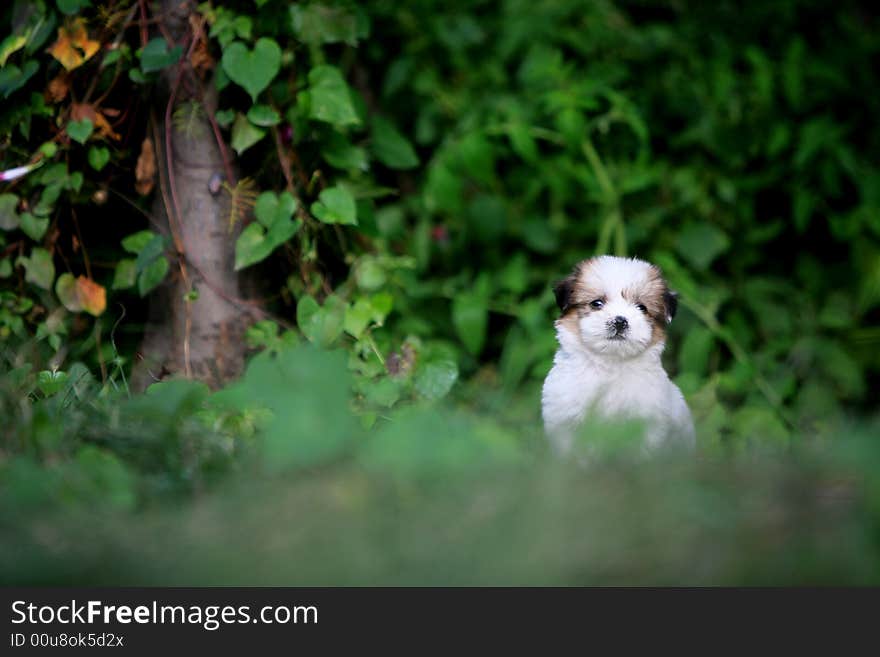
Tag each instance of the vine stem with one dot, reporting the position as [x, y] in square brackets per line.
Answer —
[613, 220]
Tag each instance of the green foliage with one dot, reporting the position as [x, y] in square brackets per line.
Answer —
[252, 69]
[432, 495]
[415, 177]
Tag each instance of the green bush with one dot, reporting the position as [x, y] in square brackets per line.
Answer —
[415, 176]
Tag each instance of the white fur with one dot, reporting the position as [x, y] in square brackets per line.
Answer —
[613, 379]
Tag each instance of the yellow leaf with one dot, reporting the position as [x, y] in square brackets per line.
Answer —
[91, 295]
[73, 46]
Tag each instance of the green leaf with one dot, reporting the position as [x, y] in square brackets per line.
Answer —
[341, 154]
[249, 246]
[5, 267]
[522, 142]
[224, 117]
[329, 97]
[245, 134]
[271, 208]
[125, 274]
[335, 206]
[263, 115]
[8, 212]
[369, 273]
[384, 392]
[39, 268]
[151, 276]
[256, 243]
[321, 325]
[98, 157]
[382, 303]
[51, 382]
[80, 130]
[65, 289]
[75, 181]
[155, 55]
[700, 243]
[357, 317]
[254, 69]
[470, 316]
[48, 149]
[13, 78]
[135, 75]
[11, 44]
[71, 7]
[135, 242]
[151, 250]
[435, 380]
[390, 147]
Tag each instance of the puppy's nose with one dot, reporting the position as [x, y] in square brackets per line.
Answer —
[620, 323]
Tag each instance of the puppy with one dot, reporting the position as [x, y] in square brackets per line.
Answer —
[611, 333]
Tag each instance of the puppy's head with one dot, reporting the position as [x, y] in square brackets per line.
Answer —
[615, 307]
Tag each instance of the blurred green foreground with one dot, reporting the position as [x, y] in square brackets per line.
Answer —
[268, 482]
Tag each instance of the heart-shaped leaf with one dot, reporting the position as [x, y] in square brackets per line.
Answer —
[224, 117]
[321, 325]
[39, 268]
[80, 130]
[73, 46]
[98, 157]
[65, 289]
[358, 317]
[51, 382]
[329, 97]
[92, 296]
[245, 134]
[32, 226]
[81, 293]
[271, 208]
[254, 69]
[256, 243]
[335, 205]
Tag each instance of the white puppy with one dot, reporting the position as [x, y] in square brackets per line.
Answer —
[611, 333]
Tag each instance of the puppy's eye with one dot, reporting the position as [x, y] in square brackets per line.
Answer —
[642, 307]
[598, 303]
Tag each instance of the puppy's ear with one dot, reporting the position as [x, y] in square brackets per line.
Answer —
[670, 299]
[563, 291]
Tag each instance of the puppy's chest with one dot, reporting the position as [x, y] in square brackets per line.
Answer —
[617, 394]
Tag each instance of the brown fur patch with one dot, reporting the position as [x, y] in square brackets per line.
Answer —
[580, 293]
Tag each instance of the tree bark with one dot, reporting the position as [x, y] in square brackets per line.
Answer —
[198, 337]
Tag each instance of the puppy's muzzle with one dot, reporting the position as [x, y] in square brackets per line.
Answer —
[618, 327]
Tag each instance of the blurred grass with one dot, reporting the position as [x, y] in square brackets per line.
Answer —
[435, 496]
[667, 522]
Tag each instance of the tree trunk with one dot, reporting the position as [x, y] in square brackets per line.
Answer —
[196, 335]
